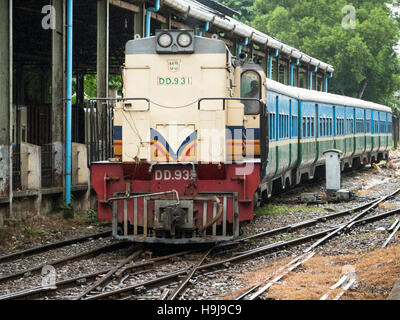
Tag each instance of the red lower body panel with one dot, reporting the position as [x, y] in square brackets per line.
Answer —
[110, 179]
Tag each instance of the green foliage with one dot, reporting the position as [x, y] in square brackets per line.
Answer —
[244, 8]
[364, 58]
[115, 82]
[68, 211]
[34, 232]
[91, 216]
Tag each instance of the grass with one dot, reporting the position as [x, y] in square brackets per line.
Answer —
[273, 209]
[91, 216]
[31, 231]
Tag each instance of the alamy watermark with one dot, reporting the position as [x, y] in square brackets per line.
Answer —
[48, 277]
[349, 20]
[49, 20]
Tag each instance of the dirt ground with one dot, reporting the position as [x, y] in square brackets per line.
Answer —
[375, 274]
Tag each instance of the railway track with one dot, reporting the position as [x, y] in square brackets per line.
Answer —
[184, 278]
[51, 246]
[119, 271]
[62, 261]
[188, 273]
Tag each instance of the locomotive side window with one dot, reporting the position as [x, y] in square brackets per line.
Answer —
[251, 88]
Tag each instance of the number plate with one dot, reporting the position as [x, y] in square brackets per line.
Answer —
[172, 175]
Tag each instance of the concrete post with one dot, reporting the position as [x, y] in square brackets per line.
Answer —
[139, 21]
[6, 106]
[57, 92]
[103, 13]
[5, 99]
[332, 166]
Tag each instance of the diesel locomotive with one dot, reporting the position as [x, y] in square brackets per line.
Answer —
[200, 137]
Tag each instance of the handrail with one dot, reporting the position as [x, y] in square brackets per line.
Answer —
[230, 99]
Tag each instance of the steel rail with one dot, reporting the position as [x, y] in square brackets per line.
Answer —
[38, 291]
[393, 225]
[391, 235]
[345, 288]
[246, 293]
[170, 278]
[348, 225]
[297, 226]
[96, 251]
[289, 268]
[339, 283]
[178, 292]
[50, 246]
[109, 274]
[149, 263]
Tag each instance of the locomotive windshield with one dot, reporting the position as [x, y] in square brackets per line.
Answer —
[251, 88]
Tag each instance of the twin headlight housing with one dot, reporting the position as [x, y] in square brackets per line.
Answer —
[175, 41]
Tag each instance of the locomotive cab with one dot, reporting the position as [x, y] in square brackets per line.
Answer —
[253, 86]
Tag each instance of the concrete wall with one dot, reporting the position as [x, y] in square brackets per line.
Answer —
[80, 171]
[31, 171]
[32, 199]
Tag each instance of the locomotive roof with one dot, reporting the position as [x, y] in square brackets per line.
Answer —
[201, 12]
[323, 97]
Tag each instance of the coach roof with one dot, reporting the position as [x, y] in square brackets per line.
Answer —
[323, 97]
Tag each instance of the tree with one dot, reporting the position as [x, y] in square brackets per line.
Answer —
[365, 62]
[244, 8]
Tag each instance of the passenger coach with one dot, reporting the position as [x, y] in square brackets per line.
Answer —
[303, 124]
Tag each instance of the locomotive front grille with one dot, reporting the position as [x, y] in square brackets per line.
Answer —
[160, 220]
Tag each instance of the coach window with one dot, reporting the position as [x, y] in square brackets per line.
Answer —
[251, 88]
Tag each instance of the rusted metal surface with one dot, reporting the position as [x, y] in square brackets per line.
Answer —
[55, 245]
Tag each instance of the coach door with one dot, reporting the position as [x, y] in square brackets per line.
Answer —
[251, 88]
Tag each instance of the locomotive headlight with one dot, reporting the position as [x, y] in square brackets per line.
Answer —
[165, 40]
[184, 40]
